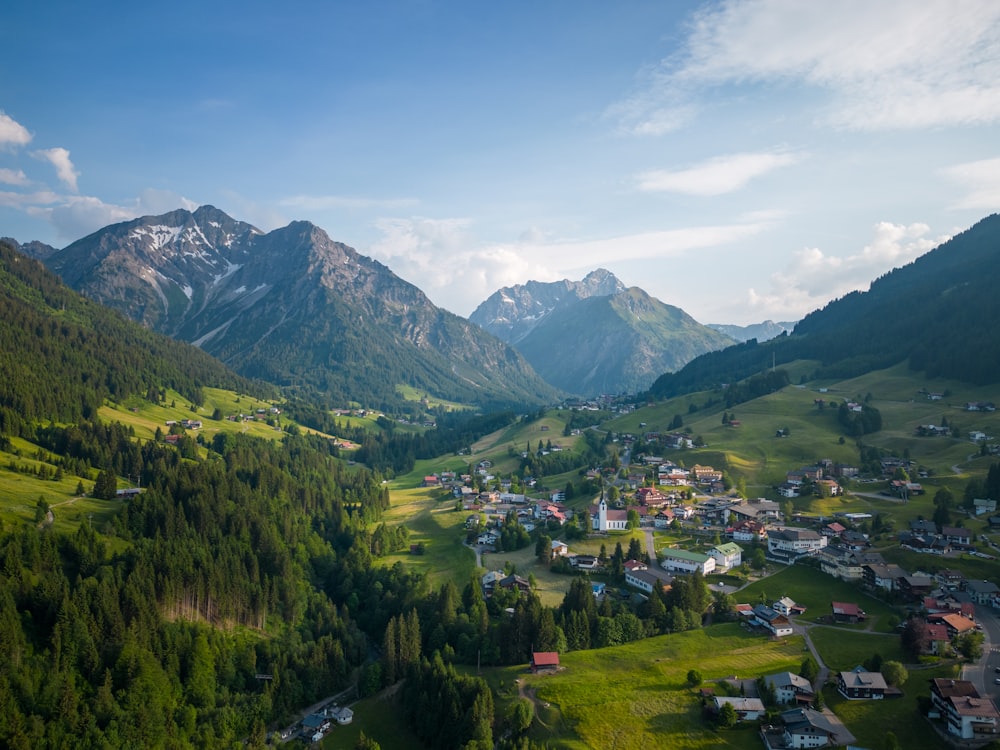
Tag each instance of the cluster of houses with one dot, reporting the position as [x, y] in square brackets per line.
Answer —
[798, 726]
[317, 725]
[820, 478]
[923, 536]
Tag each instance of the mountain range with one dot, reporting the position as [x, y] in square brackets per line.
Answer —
[294, 308]
[595, 336]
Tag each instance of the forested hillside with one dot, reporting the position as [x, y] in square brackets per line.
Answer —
[936, 314]
[61, 355]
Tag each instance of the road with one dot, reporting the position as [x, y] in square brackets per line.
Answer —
[984, 673]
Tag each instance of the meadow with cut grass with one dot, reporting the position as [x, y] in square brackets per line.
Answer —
[637, 695]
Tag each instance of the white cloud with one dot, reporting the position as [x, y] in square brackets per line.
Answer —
[59, 158]
[12, 133]
[813, 278]
[722, 174]
[458, 271]
[887, 64]
[13, 177]
[980, 180]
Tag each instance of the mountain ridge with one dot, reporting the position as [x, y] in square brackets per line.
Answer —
[295, 308]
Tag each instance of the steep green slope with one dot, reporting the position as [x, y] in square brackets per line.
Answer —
[937, 314]
[62, 355]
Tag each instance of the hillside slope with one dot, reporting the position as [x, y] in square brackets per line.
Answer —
[937, 314]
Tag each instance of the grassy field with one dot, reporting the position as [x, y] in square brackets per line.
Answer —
[439, 527]
[843, 649]
[380, 718]
[635, 696]
[814, 589]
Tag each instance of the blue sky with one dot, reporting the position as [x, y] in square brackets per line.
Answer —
[741, 160]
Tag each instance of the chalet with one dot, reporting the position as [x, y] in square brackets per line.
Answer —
[882, 576]
[958, 537]
[790, 688]
[514, 581]
[748, 531]
[650, 496]
[544, 661]
[663, 518]
[747, 709]
[936, 640]
[833, 529]
[950, 579]
[806, 728]
[727, 556]
[847, 612]
[431, 481]
[965, 713]
[854, 540]
[633, 565]
[584, 562]
[828, 488]
[559, 549]
[915, 587]
[859, 684]
[683, 561]
[705, 473]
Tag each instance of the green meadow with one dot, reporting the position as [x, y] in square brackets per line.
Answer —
[636, 695]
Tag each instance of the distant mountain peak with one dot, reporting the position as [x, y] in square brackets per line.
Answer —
[512, 312]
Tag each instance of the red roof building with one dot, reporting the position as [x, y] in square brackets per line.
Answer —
[544, 661]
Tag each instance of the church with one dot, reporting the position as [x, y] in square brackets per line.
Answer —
[608, 520]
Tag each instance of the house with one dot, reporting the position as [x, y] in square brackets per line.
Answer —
[936, 639]
[514, 581]
[806, 728]
[431, 481]
[983, 592]
[956, 536]
[789, 544]
[956, 624]
[727, 556]
[559, 549]
[644, 580]
[786, 606]
[915, 587]
[747, 709]
[342, 715]
[584, 562]
[634, 565]
[683, 561]
[847, 612]
[544, 661]
[597, 589]
[882, 576]
[965, 713]
[833, 529]
[859, 684]
[790, 688]
[779, 625]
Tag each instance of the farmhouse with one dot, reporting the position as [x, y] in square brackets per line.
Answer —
[683, 561]
[806, 728]
[861, 685]
[787, 606]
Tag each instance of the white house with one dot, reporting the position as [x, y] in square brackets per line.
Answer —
[748, 709]
[642, 579]
[790, 688]
[789, 544]
[683, 561]
[727, 556]
[559, 549]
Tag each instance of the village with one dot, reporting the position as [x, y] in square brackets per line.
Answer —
[720, 533]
